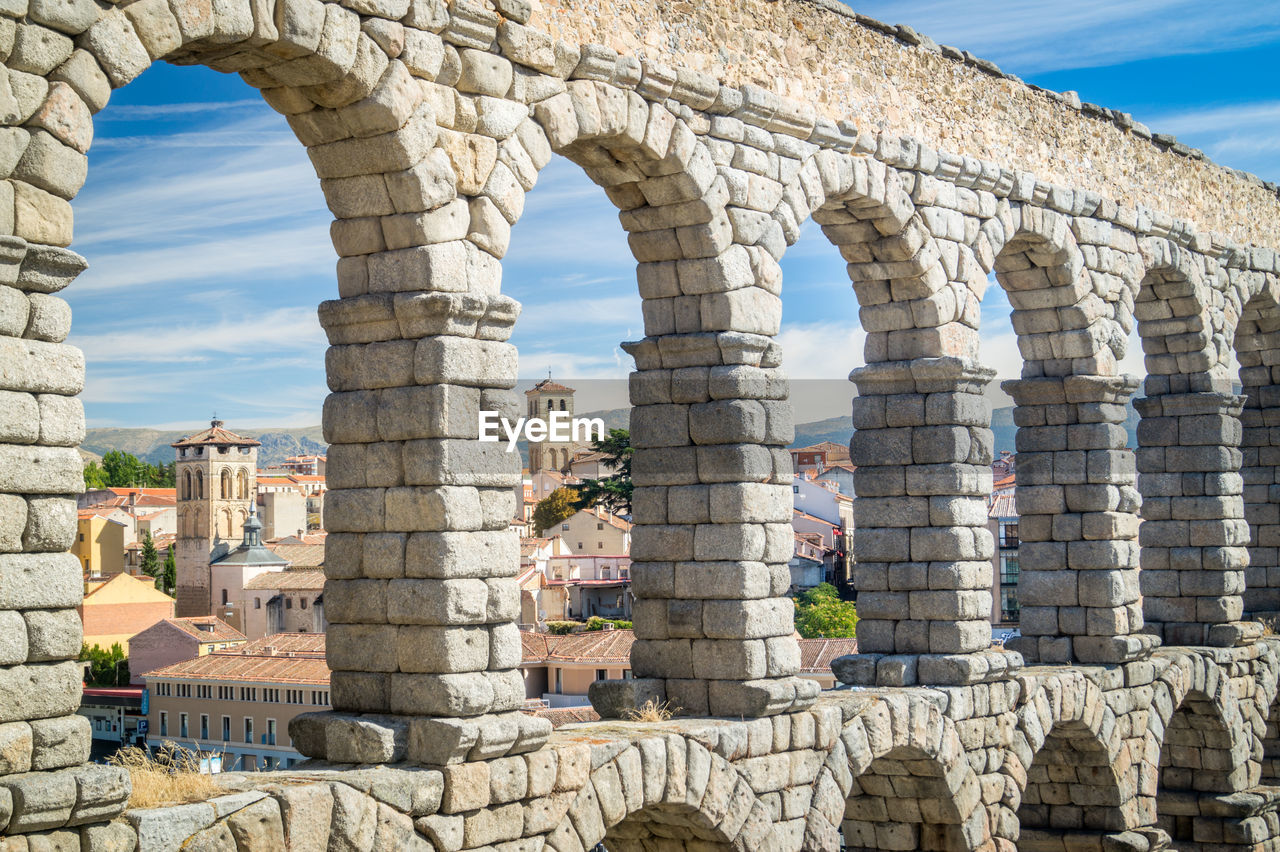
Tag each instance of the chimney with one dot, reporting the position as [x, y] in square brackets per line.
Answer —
[269, 650]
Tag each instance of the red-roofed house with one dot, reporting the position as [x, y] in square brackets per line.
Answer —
[176, 640]
[239, 701]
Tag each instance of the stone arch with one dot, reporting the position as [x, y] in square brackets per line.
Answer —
[224, 524]
[199, 484]
[661, 788]
[1188, 456]
[225, 487]
[1199, 741]
[1077, 529]
[186, 485]
[1257, 338]
[918, 305]
[242, 485]
[1079, 777]
[911, 786]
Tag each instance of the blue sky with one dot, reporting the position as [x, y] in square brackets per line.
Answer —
[207, 234]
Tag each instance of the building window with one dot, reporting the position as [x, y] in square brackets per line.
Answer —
[559, 683]
[288, 603]
[1009, 570]
[226, 729]
[602, 674]
[164, 723]
[248, 729]
[204, 726]
[257, 603]
[599, 545]
[1009, 534]
[303, 603]
[224, 597]
[599, 525]
[271, 732]
[82, 536]
[564, 526]
[182, 725]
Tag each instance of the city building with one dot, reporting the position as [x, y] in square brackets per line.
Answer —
[216, 471]
[133, 552]
[115, 715]
[231, 572]
[818, 457]
[1002, 514]
[283, 602]
[305, 465]
[120, 608]
[100, 541]
[239, 701]
[541, 401]
[595, 532]
[175, 640]
[560, 669]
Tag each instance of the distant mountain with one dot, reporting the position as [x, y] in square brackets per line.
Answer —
[839, 430]
[152, 445]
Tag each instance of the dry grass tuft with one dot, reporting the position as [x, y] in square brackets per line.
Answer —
[171, 776]
[652, 710]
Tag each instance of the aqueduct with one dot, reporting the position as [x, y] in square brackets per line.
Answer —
[1138, 710]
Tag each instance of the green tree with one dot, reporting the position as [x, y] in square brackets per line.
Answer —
[612, 492]
[168, 578]
[148, 559]
[554, 508]
[94, 476]
[820, 614]
[123, 470]
[106, 668]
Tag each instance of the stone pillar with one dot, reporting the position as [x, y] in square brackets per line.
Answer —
[1194, 535]
[1078, 521]
[1260, 476]
[712, 538]
[923, 448]
[44, 745]
[421, 596]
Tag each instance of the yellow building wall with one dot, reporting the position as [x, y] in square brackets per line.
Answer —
[99, 546]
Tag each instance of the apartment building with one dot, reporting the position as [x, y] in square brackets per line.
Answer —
[238, 702]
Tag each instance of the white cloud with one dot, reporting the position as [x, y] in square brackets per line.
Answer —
[134, 112]
[1028, 36]
[281, 330]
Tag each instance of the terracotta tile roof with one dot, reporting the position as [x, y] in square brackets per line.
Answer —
[816, 654]
[566, 715]
[548, 385]
[1005, 482]
[287, 643]
[612, 520]
[282, 580]
[170, 494]
[842, 465]
[220, 632]
[1003, 506]
[236, 665]
[836, 452]
[97, 512]
[300, 555]
[596, 646]
[216, 435]
[529, 545]
[310, 538]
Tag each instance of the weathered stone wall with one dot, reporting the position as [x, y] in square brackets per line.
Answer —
[818, 53]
